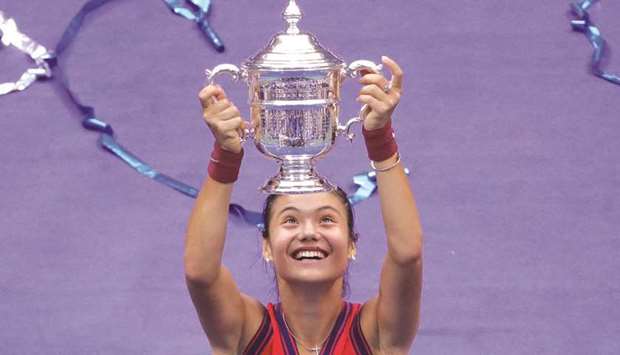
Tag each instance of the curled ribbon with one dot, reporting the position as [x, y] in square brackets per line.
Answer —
[197, 13]
[584, 24]
[107, 135]
[11, 36]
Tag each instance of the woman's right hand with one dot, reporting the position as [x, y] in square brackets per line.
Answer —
[222, 117]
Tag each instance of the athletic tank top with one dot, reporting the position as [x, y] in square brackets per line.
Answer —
[345, 338]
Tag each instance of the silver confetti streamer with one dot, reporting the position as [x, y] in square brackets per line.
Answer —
[12, 37]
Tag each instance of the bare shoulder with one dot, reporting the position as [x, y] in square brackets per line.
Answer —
[371, 330]
[254, 312]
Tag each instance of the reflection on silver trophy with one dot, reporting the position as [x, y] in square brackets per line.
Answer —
[294, 94]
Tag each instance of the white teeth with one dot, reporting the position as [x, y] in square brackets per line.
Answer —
[309, 254]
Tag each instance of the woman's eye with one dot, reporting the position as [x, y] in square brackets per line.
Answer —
[328, 219]
[289, 220]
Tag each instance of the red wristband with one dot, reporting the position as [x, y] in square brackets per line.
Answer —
[224, 165]
[380, 142]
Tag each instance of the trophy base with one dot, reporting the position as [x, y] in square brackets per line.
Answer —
[297, 176]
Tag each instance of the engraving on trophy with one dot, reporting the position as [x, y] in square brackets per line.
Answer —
[294, 88]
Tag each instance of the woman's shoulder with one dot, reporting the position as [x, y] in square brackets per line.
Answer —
[256, 315]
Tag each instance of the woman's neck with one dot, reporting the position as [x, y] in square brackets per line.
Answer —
[310, 311]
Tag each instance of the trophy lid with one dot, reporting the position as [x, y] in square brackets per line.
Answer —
[293, 49]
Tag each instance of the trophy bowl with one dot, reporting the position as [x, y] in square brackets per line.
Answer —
[294, 96]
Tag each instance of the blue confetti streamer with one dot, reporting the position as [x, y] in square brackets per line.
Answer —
[107, 137]
[584, 24]
[367, 185]
[197, 13]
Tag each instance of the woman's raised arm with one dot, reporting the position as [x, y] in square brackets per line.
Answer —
[393, 316]
[226, 315]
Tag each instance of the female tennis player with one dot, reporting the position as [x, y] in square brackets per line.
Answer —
[309, 239]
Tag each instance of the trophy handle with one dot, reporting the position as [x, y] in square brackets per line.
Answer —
[346, 129]
[353, 71]
[236, 74]
[229, 69]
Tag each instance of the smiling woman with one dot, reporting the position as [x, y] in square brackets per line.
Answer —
[310, 239]
[303, 217]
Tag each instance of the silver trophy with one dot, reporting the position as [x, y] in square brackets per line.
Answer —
[294, 95]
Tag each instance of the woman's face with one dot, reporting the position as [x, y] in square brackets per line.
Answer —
[309, 238]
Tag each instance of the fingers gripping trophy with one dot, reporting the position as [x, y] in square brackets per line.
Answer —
[294, 95]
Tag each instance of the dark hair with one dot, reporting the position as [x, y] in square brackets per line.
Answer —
[353, 236]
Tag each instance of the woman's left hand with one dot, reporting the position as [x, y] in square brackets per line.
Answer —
[381, 102]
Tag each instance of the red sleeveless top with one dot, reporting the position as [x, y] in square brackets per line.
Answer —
[345, 338]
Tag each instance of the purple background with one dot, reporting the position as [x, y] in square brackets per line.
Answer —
[513, 144]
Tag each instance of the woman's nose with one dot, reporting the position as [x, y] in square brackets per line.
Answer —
[308, 230]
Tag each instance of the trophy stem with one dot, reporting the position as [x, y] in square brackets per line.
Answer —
[297, 176]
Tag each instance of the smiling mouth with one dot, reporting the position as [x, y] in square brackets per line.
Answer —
[309, 255]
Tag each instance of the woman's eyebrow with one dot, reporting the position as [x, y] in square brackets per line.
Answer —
[295, 209]
[288, 209]
[329, 208]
